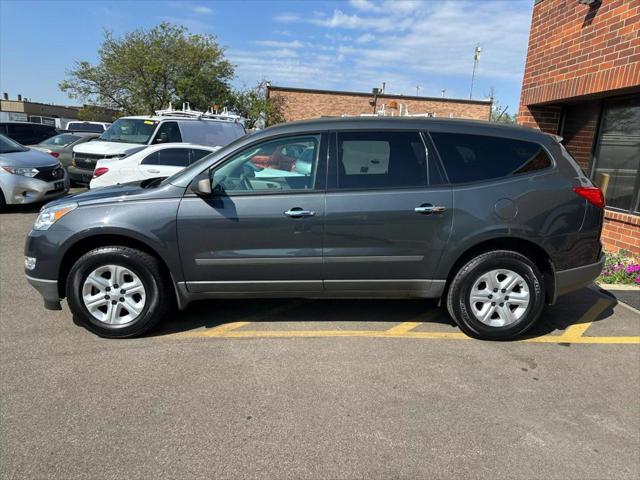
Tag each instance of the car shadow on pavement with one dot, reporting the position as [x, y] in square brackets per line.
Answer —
[584, 306]
[28, 208]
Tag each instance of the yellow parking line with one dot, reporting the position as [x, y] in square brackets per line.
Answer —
[403, 328]
[220, 331]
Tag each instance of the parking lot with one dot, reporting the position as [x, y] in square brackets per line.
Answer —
[315, 389]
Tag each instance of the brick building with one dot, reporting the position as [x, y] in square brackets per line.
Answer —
[582, 81]
[302, 103]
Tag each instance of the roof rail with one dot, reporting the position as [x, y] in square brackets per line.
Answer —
[186, 112]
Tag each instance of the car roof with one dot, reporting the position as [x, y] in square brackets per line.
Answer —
[457, 125]
[28, 123]
[159, 118]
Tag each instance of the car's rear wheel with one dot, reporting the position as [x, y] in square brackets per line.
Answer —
[497, 295]
[118, 292]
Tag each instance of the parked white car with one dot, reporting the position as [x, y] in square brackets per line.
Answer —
[155, 161]
[128, 135]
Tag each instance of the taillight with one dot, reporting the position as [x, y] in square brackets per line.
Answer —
[54, 154]
[593, 195]
[100, 171]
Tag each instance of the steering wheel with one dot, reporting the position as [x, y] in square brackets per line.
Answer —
[244, 181]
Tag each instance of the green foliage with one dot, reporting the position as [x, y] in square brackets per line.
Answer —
[254, 105]
[499, 114]
[146, 69]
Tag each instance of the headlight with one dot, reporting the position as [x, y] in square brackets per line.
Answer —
[24, 171]
[50, 215]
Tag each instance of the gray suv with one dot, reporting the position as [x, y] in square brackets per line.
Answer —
[495, 221]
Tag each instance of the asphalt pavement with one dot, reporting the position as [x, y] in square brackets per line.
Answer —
[314, 389]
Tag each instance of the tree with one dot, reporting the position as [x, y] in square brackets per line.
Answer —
[254, 105]
[145, 70]
[500, 114]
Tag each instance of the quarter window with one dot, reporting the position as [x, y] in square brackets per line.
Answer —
[279, 165]
[472, 158]
[381, 160]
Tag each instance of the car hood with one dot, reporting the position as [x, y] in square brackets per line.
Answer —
[30, 158]
[123, 192]
[98, 147]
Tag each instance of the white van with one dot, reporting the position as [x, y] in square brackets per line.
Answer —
[128, 135]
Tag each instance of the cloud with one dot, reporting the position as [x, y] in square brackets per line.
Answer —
[366, 38]
[279, 43]
[202, 10]
[286, 18]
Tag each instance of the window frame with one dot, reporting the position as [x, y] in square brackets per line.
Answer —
[333, 170]
[321, 167]
[595, 154]
[510, 177]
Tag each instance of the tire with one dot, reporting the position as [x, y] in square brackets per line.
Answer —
[3, 203]
[127, 314]
[499, 317]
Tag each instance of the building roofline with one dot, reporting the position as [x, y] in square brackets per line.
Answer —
[385, 95]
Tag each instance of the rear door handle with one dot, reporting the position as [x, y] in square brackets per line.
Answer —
[298, 212]
[427, 209]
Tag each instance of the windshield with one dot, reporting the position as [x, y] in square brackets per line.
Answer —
[9, 146]
[61, 140]
[130, 130]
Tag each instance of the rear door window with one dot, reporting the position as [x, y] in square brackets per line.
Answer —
[473, 158]
[174, 157]
[381, 160]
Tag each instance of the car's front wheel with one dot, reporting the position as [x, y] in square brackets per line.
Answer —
[117, 291]
[497, 295]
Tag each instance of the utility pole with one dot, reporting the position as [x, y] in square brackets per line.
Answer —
[444, 90]
[417, 90]
[476, 57]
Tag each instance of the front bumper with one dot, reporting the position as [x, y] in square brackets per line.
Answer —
[18, 189]
[49, 291]
[575, 278]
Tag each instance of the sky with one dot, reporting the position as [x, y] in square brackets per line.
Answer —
[415, 46]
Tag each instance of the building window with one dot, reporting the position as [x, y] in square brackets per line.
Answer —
[618, 152]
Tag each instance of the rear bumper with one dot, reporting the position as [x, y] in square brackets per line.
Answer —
[49, 291]
[575, 278]
[80, 175]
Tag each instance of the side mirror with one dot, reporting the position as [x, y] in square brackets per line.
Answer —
[201, 185]
[162, 137]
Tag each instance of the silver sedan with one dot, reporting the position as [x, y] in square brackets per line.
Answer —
[29, 176]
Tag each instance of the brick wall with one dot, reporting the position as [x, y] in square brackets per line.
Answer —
[300, 104]
[576, 50]
[621, 231]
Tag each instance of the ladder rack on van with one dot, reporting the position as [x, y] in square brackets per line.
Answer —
[186, 112]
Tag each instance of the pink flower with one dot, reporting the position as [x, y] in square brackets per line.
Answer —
[638, 280]
[633, 268]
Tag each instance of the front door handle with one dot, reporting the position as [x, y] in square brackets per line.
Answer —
[298, 212]
[428, 209]
[153, 171]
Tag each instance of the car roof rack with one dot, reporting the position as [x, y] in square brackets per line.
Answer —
[186, 112]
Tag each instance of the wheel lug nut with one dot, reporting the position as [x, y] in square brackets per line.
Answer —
[122, 299]
[106, 297]
[108, 289]
[507, 297]
[493, 304]
[115, 286]
[502, 304]
[123, 291]
[495, 289]
[490, 296]
[504, 291]
[113, 302]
